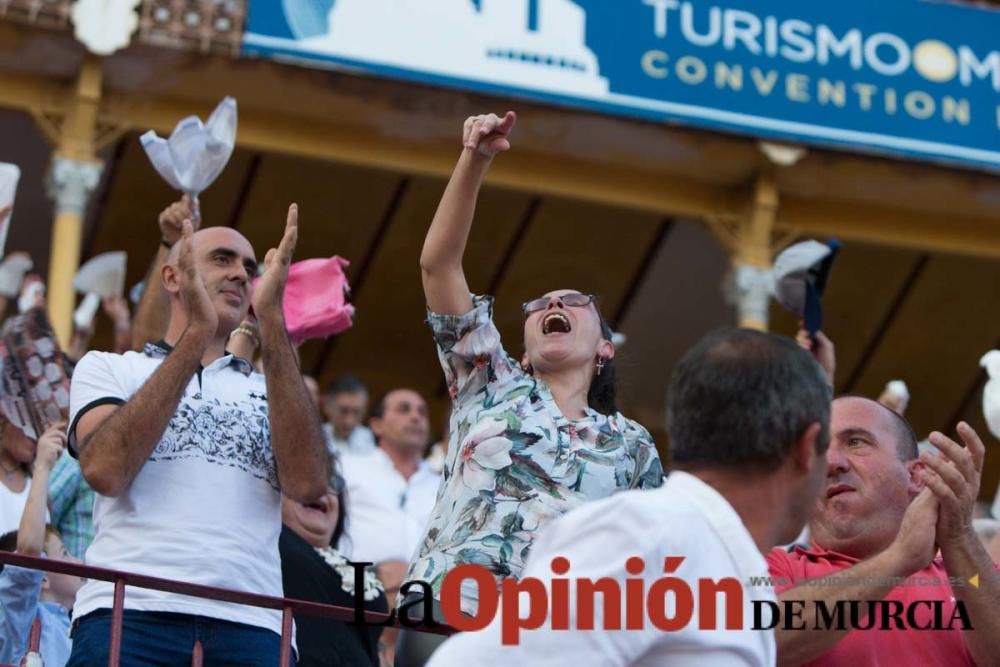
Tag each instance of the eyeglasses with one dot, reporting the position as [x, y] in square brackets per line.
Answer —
[337, 484]
[573, 299]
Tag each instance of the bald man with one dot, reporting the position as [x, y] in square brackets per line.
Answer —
[189, 454]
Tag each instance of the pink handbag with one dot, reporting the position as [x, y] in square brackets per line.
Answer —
[315, 299]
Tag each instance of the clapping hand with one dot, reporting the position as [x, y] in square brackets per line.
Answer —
[268, 293]
[202, 316]
[953, 476]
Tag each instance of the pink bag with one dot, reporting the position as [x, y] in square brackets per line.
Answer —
[316, 299]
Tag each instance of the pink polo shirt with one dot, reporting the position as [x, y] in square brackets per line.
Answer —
[878, 647]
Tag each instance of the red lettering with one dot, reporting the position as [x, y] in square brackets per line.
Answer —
[656, 604]
[451, 598]
[732, 592]
[512, 621]
[560, 595]
[611, 595]
[635, 612]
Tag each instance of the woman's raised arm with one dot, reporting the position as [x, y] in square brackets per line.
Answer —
[445, 287]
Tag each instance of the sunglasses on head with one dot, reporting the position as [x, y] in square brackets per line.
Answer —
[574, 299]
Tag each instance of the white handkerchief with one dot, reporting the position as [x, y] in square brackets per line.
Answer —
[10, 174]
[83, 317]
[12, 272]
[103, 275]
[991, 392]
[196, 153]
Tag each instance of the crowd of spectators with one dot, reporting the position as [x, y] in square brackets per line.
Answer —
[196, 450]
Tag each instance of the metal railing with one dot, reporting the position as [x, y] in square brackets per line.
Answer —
[287, 606]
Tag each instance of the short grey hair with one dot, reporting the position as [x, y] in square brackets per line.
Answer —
[740, 399]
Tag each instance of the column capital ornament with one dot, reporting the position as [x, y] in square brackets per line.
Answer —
[71, 183]
[750, 290]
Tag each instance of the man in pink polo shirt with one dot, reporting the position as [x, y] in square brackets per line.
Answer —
[891, 541]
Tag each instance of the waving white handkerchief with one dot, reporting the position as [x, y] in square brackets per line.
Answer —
[196, 153]
[84, 314]
[103, 275]
[12, 271]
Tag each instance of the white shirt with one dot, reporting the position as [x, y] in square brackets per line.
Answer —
[685, 517]
[360, 441]
[205, 507]
[386, 513]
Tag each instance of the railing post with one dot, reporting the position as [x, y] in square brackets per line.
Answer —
[286, 637]
[117, 615]
[198, 654]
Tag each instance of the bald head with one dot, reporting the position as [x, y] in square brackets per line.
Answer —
[905, 438]
[219, 237]
[226, 266]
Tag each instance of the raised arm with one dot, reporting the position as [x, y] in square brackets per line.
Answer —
[114, 442]
[4, 213]
[152, 312]
[445, 287]
[116, 308]
[31, 532]
[296, 434]
[912, 550]
[823, 352]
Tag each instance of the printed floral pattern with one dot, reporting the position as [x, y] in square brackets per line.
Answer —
[232, 434]
[333, 558]
[515, 462]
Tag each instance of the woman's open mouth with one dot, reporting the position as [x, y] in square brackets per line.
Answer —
[555, 323]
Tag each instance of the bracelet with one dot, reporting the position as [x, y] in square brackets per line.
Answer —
[251, 326]
[247, 331]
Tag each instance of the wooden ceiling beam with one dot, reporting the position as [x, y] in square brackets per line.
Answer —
[544, 175]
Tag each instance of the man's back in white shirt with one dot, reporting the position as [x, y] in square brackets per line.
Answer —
[684, 518]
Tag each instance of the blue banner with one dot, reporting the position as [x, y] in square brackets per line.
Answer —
[907, 77]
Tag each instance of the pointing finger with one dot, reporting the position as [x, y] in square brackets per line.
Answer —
[508, 122]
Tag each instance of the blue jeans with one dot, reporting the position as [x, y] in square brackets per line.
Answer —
[166, 640]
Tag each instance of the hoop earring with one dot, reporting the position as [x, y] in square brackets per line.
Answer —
[600, 365]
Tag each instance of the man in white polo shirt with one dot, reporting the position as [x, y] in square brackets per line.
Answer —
[189, 453]
[748, 416]
[392, 489]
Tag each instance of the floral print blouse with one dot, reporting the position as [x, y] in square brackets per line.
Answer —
[515, 462]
